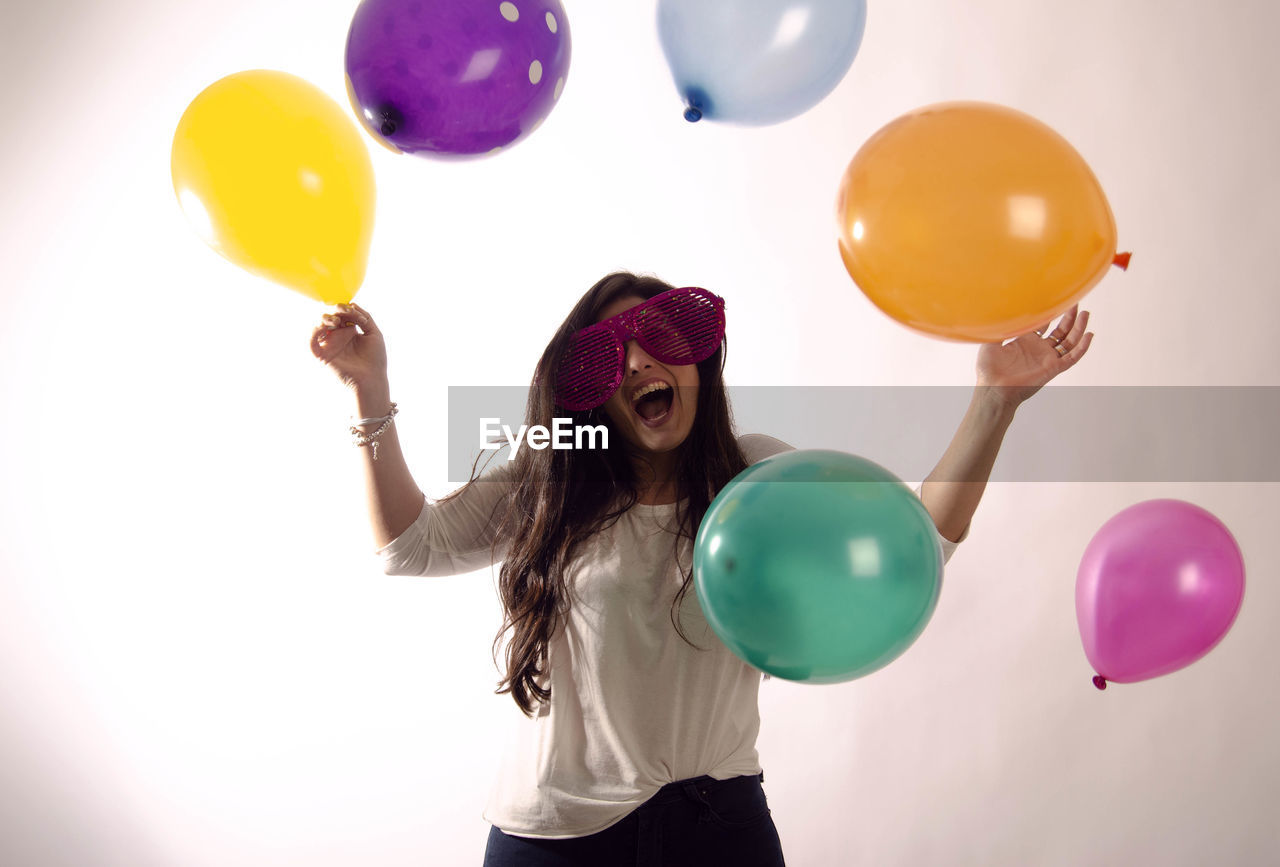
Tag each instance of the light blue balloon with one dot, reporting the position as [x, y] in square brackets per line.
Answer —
[757, 62]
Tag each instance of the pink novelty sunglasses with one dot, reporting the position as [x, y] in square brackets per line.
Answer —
[679, 326]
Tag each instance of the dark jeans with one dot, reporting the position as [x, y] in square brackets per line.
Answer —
[701, 821]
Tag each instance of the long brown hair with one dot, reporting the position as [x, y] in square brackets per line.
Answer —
[562, 497]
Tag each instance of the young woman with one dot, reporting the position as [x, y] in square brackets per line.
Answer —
[639, 742]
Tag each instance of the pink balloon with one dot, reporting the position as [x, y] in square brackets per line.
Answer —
[1158, 587]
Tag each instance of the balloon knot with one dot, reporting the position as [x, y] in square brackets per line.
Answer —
[1099, 681]
[696, 103]
[1121, 261]
[390, 121]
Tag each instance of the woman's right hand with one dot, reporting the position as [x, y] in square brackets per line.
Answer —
[351, 345]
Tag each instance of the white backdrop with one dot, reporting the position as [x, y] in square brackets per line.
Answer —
[201, 663]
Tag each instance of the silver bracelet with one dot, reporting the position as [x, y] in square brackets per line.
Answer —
[361, 439]
[377, 420]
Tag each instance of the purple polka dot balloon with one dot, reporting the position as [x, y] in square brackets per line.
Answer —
[454, 79]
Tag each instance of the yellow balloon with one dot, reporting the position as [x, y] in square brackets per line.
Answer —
[973, 221]
[275, 177]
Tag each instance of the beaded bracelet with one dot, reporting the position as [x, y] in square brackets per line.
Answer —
[361, 439]
[380, 418]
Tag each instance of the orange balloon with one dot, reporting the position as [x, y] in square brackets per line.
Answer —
[973, 221]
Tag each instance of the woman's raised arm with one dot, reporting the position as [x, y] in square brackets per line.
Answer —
[349, 342]
[1008, 374]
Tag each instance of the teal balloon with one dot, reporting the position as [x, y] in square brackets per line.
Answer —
[758, 62]
[817, 566]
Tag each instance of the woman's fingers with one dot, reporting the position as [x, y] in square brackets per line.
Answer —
[1076, 352]
[318, 342]
[338, 329]
[344, 316]
[1077, 329]
[1076, 343]
[1071, 339]
[327, 342]
[337, 320]
[1064, 324]
[1069, 336]
[360, 316]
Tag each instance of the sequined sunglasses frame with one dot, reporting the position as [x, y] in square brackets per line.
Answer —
[679, 326]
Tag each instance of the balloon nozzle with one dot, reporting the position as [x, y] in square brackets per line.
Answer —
[693, 114]
[1099, 681]
[1121, 261]
[390, 121]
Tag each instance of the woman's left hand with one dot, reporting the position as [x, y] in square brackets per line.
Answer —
[1016, 370]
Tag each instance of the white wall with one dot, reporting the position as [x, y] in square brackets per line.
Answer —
[201, 663]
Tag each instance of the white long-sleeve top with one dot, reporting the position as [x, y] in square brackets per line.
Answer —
[633, 706]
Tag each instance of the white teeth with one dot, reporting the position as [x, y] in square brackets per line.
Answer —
[648, 389]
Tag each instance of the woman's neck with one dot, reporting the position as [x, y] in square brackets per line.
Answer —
[656, 482]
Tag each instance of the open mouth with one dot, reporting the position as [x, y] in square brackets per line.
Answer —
[652, 402]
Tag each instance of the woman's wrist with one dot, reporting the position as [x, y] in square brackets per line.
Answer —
[999, 402]
[373, 400]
